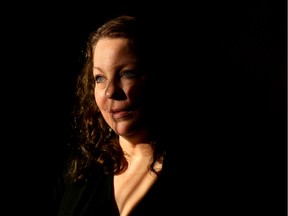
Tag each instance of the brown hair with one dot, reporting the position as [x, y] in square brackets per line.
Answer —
[95, 145]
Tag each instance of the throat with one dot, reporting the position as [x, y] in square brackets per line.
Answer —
[132, 185]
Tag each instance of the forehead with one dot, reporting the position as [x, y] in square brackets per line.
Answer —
[107, 46]
[113, 51]
[112, 43]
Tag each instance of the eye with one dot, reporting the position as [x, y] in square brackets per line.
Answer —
[129, 74]
[99, 79]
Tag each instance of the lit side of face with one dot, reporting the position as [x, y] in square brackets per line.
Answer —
[119, 85]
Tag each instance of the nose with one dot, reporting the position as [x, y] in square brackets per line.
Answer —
[115, 91]
[110, 89]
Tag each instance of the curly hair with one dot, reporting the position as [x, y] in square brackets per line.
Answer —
[95, 144]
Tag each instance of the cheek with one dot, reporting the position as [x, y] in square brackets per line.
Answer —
[98, 100]
[136, 92]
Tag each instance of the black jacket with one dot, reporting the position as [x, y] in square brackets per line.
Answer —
[96, 197]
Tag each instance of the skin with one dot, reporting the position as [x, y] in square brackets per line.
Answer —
[119, 88]
[119, 94]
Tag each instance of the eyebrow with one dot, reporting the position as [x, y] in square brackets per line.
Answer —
[97, 68]
[133, 64]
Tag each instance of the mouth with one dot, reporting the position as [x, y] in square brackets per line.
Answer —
[119, 114]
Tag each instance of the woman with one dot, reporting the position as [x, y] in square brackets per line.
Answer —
[119, 159]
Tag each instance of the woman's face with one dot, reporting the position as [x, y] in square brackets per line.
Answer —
[119, 85]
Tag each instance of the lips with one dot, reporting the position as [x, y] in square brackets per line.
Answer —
[119, 113]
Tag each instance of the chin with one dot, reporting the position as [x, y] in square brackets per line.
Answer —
[125, 129]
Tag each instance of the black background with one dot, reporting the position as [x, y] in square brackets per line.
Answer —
[226, 95]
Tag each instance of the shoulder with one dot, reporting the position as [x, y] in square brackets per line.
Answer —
[71, 198]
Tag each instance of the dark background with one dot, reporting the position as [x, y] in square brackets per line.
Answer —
[226, 93]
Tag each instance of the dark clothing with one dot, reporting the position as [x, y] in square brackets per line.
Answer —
[96, 197]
